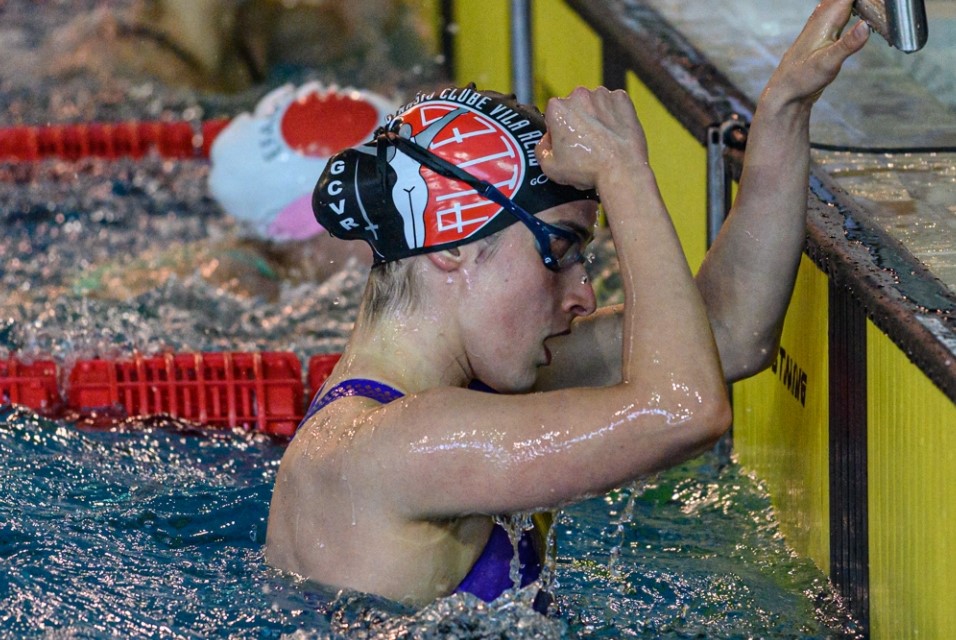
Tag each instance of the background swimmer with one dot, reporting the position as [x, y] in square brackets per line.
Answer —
[227, 45]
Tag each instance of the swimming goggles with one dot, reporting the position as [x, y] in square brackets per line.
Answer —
[559, 247]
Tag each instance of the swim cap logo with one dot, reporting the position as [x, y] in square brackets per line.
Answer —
[437, 210]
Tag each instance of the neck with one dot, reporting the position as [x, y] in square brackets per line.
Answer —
[413, 353]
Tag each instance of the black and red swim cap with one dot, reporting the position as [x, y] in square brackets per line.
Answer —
[379, 194]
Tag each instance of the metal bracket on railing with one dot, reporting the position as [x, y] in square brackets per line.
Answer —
[729, 134]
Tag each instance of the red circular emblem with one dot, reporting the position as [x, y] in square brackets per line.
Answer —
[479, 145]
[322, 125]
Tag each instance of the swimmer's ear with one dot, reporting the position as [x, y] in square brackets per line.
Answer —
[446, 259]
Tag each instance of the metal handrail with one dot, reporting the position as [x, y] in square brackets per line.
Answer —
[901, 22]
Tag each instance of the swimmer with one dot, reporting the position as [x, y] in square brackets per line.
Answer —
[261, 173]
[229, 46]
[244, 267]
[479, 211]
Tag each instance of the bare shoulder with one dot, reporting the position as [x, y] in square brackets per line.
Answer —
[323, 477]
[343, 429]
[337, 514]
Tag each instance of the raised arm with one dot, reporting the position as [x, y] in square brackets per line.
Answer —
[663, 312]
[747, 277]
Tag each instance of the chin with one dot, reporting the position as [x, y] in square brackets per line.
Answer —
[519, 377]
[523, 384]
[512, 386]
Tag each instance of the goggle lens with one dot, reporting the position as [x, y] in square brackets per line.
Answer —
[565, 247]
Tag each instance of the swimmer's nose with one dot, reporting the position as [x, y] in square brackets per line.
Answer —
[579, 299]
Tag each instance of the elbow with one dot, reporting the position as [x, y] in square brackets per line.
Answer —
[765, 348]
[707, 411]
[709, 422]
[722, 420]
[749, 359]
[716, 417]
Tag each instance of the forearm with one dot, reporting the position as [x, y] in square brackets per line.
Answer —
[746, 280]
[589, 356]
[669, 369]
[660, 339]
[666, 339]
[747, 277]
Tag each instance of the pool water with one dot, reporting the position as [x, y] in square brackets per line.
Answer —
[155, 529]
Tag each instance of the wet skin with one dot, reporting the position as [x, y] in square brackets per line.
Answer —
[531, 304]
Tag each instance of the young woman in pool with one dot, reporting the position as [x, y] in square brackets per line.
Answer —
[392, 482]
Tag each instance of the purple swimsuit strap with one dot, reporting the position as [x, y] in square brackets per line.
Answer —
[373, 389]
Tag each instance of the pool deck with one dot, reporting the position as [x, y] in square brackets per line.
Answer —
[883, 99]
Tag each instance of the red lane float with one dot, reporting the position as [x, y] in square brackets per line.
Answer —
[30, 384]
[170, 139]
[311, 121]
[260, 391]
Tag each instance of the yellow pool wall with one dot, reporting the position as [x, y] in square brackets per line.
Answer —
[911, 448]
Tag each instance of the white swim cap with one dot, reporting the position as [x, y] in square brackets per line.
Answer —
[264, 166]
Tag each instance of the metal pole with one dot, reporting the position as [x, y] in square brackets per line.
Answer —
[719, 201]
[719, 180]
[902, 23]
[908, 24]
[447, 38]
[521, 75]
[718, 184]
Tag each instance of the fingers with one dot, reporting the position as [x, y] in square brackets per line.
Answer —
[832, 56]
[832, 16]
[854, 39]
[824, 25]
[828, 19]
[544, 152]
[814, 59]
[593, 103]
[574, 123]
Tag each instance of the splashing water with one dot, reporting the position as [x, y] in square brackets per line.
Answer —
[623, 521]
[156, 527]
